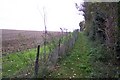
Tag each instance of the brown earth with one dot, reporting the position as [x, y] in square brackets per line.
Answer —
[19, 40]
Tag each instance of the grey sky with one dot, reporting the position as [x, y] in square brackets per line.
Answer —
[27, 14]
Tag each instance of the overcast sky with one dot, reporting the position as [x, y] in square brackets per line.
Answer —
[28, 14]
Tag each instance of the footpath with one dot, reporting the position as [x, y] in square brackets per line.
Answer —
[75, 65]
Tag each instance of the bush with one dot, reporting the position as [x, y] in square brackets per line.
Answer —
[99, 53]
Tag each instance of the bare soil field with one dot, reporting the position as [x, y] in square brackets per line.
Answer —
[19, 40]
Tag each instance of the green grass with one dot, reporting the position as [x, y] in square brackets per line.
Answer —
[77, 63]
[15, 62]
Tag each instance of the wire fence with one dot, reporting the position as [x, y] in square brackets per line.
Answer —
[38, 62]
[19, 61]
[44, 64]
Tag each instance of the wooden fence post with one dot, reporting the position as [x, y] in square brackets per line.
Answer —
[59, 47]
[36, 62]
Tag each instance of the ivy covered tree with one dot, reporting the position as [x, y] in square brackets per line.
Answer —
[101, 21]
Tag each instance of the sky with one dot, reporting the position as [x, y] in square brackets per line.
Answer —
[29, 14]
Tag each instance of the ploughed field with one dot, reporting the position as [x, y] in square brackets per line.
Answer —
[19, 40]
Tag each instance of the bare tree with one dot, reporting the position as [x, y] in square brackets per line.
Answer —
[45, 32]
